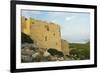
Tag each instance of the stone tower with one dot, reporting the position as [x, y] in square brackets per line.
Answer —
[25, 25]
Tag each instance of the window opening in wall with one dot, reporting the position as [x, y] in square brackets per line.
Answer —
[45, 38]
[47, 27]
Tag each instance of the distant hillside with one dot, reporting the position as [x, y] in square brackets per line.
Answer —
[79, 45]
[80, 51]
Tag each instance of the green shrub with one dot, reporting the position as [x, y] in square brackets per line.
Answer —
[25, 38]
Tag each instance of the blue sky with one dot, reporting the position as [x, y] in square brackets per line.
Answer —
[75, 27]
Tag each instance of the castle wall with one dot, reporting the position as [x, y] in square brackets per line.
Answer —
[45, 35]
[65, 47]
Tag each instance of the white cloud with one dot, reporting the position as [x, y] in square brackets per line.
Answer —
[69, 18]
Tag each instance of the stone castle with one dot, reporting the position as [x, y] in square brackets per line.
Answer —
[45, 34]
